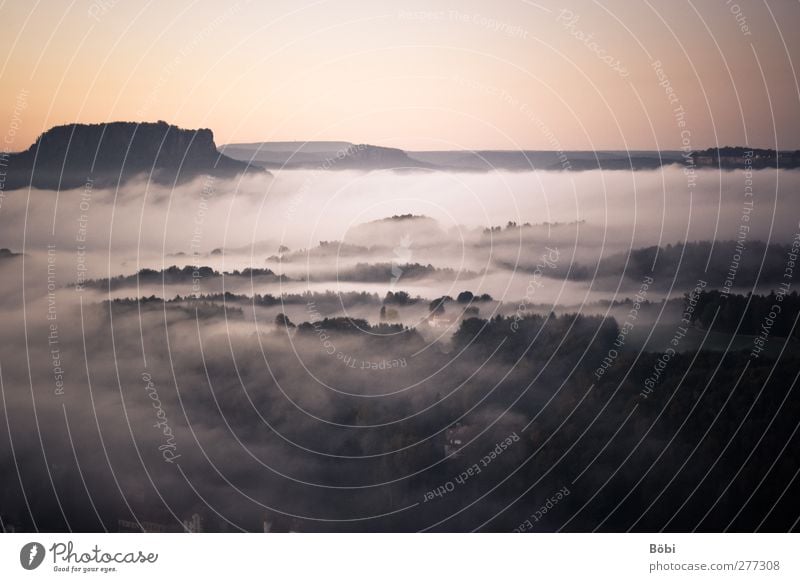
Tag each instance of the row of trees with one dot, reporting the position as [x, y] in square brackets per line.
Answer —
[746, 314]
[685, 263]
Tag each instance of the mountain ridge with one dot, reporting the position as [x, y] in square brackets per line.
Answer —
[348, 156]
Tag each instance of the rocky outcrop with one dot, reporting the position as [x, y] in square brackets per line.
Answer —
[68, 156]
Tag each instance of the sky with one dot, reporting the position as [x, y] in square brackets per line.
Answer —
[420, 75]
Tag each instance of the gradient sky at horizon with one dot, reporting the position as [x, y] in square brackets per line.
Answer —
[417, 75]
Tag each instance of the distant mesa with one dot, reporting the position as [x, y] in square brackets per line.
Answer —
[68, 156]
[324, 155]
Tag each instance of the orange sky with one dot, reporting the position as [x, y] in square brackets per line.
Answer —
[430, 75]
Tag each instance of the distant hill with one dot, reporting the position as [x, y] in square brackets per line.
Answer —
[401, 233]
[67, 156]
[326, 155]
